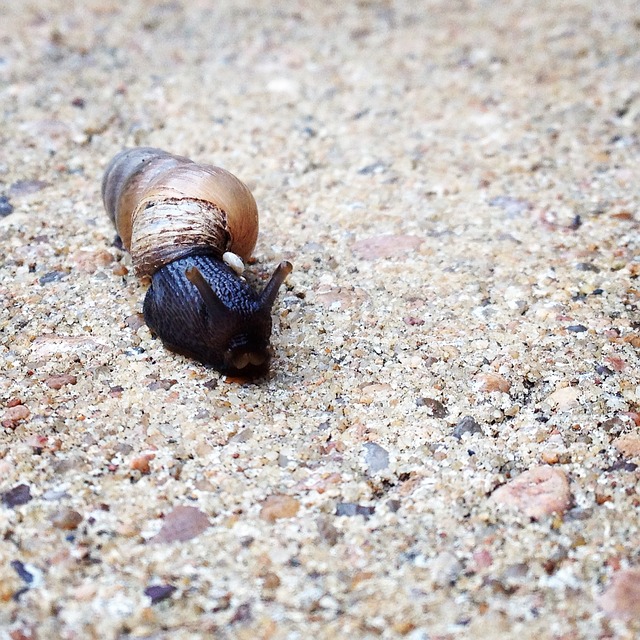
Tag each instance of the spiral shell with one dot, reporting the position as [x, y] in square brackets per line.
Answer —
[165, 207]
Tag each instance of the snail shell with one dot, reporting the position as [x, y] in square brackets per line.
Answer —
[165, 207]
[188, 228]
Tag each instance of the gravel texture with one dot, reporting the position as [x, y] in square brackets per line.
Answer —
[448, 443]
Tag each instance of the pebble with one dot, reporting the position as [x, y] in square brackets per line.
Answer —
[59, 381]
[351, 509]
[628, 445]
[279, 506]
[141, 463]
[135, 321]
[91, 261]
[182, 524]
[327, 531]
[19, 495]
[601, 370]
[489, 382]
[159, 592]
[616, 363]
[587, 266]
[163, 385]
[466, 425]
[242, 436]
[482, 559]
[435, 408]
[386, 246]
[6, 207]
[52, 276]
[536, 493]
[26, 187]
[13, 416]
[376, 457]
[374, 167]
[19, 567]
[242, 613]
[564, 398]
[66, 519]
[373, 392]
[119, 269]
[622, 465]
[393, 505]
[632, 415]
[270, 580]
[621, 599]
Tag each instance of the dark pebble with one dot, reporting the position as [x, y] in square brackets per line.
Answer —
[20, 592]
[376, 167]
[578, 513]
[434, 407]
[587, 266]
[613, 426]
[21, 494]
[134, 351]
[247, 541]
[597, 292]
[393, 505]
[165, 385]
[467, 424]
[5, 206]
[21, 570]
[622, 465]
[351, 509]
[27, 187]
[577, 328]
[159, 592]
[601, 370]
[242, 614]
[52, 276]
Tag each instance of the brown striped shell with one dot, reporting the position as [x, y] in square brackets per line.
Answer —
[165, 207]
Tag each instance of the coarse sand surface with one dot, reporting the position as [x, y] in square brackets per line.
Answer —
[447, 445]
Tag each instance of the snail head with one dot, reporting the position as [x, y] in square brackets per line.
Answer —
[240, 336]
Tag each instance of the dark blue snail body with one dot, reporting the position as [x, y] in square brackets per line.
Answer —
[178, 220]
[200, 308]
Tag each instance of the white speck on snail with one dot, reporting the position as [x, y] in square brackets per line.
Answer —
[234, 261]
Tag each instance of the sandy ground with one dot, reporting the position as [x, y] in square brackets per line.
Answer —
[448, 443]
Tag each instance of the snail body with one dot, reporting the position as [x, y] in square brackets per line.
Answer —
[178, 219]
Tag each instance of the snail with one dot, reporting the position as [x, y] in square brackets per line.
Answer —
[188, 227]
